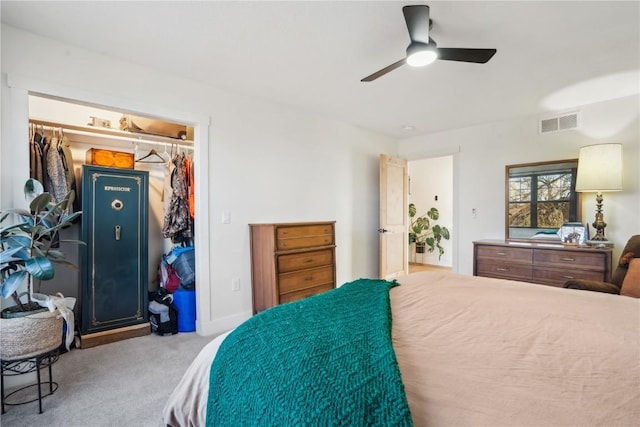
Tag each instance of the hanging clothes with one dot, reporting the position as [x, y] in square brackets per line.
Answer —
[56, 178]
[51, 163]
[188, 166]
[177, 221]
[36, 158]
[70, 175]
[167, 191]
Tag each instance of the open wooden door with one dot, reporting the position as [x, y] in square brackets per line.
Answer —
[394, 241]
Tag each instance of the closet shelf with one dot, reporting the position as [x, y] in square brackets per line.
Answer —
[115, 134]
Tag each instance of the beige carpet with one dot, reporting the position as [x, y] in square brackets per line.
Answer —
[123, 384]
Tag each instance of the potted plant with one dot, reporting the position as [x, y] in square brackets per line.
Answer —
[423, 233]
[29, 248]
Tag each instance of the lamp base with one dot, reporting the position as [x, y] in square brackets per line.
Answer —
[599, 223]
[599, 237]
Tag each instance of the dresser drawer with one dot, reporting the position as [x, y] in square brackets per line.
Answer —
[291, 260]
[496, 253]
[540, 263]
[568, 259]
[304, 260]
[294, 296]
[504, 270]
[289, 282]
[558, 276]
[303, 236]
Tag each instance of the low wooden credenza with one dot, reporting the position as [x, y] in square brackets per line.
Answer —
[291, 261]
[542, 263]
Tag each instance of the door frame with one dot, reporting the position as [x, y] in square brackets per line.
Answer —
[455, 154]
[17, 129]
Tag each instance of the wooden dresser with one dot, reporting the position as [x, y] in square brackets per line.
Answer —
[291, 261]
[543, 263]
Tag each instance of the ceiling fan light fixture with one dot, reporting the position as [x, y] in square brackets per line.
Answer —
[421, 54]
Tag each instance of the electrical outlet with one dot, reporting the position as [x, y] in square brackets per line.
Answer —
[235, 284]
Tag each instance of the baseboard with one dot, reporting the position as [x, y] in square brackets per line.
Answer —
[113, 335]
[221, 325]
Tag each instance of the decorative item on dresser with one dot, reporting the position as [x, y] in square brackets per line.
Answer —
[542, 263]
[291, 261]
[600, 170]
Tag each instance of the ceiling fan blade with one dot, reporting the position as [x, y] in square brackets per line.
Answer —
[384, 71]
[417, 19]
[479, 56]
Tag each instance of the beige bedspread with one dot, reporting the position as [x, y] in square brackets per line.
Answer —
[486, 352]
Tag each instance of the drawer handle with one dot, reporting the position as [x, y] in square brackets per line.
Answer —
[568, 259]
[567, 277]
[308, 260]
[502, 269]
[308, 278]
[501, 253]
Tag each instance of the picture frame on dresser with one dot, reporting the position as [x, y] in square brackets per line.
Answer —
[573, 233]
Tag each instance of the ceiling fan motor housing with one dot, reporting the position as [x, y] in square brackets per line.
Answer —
[420, 54]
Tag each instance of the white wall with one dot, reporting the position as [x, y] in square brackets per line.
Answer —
[486, 149]
[265, 162]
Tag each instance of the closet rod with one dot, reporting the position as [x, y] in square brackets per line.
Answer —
[113, 134]
[166, 144]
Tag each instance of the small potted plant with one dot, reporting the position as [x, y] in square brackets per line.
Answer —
[423, 233]
[29, 248]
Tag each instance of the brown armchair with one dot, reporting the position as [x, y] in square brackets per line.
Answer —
[612, 287]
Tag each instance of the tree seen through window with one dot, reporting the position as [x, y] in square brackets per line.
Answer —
[540, 200]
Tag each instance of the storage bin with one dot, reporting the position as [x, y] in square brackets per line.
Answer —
[185, 302]
[185, 266]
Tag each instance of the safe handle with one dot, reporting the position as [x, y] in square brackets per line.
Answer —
[118, 231]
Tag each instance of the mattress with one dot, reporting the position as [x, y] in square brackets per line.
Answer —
[476, 351]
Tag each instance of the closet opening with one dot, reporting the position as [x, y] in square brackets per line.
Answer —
[125, 143]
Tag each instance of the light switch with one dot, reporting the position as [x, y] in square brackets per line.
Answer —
[226, 217]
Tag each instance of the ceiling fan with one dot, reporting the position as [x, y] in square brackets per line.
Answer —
[423, 50]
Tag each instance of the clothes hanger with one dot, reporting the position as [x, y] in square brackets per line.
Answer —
[153, 157]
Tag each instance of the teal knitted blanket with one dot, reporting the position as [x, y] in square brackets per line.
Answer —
[326, 360]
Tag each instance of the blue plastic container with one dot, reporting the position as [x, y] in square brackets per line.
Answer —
[185, 302]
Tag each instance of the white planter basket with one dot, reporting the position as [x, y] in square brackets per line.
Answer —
[31, 335]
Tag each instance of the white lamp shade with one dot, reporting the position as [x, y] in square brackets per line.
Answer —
[600, 168]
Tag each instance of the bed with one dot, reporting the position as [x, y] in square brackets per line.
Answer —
[470, 351]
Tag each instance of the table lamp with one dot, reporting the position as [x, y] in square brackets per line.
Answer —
[599, 170]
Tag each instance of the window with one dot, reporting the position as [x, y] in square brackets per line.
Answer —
[540, 198]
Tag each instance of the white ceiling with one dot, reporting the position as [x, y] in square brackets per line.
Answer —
[552, 56]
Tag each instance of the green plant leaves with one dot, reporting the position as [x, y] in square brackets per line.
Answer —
[40, 267]
[32, 189]
[433, 214]
[412, 210]
[40, 202]
[421, 231]
[12, 283]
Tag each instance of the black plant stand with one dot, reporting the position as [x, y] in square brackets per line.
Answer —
[25, 366]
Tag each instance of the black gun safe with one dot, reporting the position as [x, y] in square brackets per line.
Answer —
[114, 289]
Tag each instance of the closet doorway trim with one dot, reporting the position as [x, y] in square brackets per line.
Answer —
[28, 86]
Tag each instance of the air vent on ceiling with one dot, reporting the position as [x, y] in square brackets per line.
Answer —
[558, 123]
